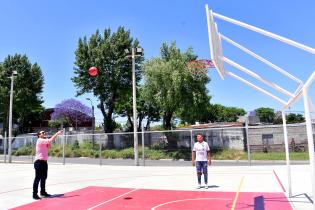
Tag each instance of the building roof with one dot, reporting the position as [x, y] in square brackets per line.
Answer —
[217, 125]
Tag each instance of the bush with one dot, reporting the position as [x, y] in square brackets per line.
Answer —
[75, 145]
[26, 150]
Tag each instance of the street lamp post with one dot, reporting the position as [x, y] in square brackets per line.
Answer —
[14, 73]
[134, 53]
[93, 121]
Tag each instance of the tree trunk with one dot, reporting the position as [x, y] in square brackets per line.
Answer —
[108, 122]
[167, 118]
[130, 121]
[171, 139]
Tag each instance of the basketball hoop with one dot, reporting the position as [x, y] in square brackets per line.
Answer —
[198, 68]
[201, 64]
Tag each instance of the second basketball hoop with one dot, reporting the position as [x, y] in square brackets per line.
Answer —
[199, 68]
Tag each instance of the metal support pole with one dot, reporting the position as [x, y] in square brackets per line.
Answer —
[10, 119]
[247, 142]
[134, 105]
[5, 147]
[310, 139]
[287, 157]
[143, 159]
[191, 142]
[64, 147]
[93, 127]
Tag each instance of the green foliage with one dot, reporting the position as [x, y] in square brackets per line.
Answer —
[266, 115]
[85, 150]
[220, 113]
[28, 86]
[295, 118]
[58, 123]
[75, 145]
[114, 81]
[171, 88]
[26, 150]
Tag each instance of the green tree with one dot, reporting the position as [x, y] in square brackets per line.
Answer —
[114, 81]
[266, 115]
[171, 88]
[28, 86]
[290, 118]
[220, 113]
[295, 118]
[145, 110]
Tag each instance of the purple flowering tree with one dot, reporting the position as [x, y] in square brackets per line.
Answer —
[71, 112]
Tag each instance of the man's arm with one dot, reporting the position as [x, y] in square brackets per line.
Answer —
[209, 158]
[193, 158]
[55, 136]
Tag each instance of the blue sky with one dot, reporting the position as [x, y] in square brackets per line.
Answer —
[48, 32]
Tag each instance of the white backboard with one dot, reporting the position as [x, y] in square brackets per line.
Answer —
[215, 44]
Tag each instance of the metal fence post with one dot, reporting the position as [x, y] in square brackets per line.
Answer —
[247, 142]
[5, 147]
[33, 147]
[191, 142]
[143, 159]
[64, 147]
[100, 152]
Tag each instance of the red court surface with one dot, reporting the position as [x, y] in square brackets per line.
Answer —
[126, 198]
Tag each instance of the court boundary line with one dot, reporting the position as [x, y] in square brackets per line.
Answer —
[279, 181]
[237, 193]
[93, 207]
[188, 199]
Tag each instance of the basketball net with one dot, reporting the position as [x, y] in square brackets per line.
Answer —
[199, 68]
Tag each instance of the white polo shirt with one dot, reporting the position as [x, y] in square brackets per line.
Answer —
[201, 150]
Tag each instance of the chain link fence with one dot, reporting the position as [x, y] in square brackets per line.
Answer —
[230, 143]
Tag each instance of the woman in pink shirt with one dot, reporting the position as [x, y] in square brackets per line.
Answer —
[40, 164]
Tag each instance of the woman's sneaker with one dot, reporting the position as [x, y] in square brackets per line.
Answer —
[206, 186]
[199, 186]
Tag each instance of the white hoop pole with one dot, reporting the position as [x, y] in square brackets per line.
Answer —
[256, 76]
[266, 33]
[310, 140]
[265, 61]
[300, 93]
[256, 87]
[287, 157]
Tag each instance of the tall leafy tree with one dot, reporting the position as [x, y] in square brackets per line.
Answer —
[28, 87]
[114, 81]
[169, 85]
[145, 111]
[266, 115]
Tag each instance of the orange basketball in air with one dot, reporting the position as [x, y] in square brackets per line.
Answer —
[93, 71]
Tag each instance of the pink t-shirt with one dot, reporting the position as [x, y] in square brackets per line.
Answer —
[42, 147]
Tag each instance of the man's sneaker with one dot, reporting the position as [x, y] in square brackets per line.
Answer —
[199, 186]
[206, 186]
[45, 194]
[36, 197]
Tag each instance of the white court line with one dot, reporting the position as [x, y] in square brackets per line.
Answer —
[190, 199]
[93, 207]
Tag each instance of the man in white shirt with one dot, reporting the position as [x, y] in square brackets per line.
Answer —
[201, 157]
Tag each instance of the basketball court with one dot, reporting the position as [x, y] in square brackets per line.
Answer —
[76, 186]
